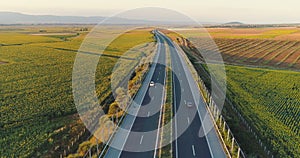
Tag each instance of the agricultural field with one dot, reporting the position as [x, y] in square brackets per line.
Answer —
[263, 47]
[262, 67]
[257, 52]
[270, 101]
[36, 102]
[274, 33]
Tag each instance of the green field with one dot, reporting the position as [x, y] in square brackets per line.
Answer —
[270, 101]
[38, 116]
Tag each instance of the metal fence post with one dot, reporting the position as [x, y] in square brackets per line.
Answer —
[232, 144]
[217, 114]
[214, 105]
[90, 153]
[228, 134]
[97, 146]
[238, 153]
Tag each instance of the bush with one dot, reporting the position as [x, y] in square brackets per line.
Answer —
[84, 147]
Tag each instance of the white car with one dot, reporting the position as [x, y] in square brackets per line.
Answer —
[151, 84]
[189, 104]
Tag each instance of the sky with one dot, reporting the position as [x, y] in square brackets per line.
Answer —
[246, 11]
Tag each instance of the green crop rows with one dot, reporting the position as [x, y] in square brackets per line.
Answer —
[270, 101]
[36, 86]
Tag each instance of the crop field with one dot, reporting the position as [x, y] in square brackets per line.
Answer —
[36, 101]
[270, 101]
[280, 33]
[256, 52]
[262, 82]
[264, 47]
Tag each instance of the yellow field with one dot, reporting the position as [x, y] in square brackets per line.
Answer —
[255, 33]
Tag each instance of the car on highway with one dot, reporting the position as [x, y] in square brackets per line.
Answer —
[151, 84]
[189, 104]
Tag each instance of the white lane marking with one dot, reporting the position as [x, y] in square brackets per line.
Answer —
[141, 139]
[182, 90]
[188, 119]
[152, 98]
[193, 149]
[148, 113]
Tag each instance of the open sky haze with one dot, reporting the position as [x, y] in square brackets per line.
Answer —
[247, 11]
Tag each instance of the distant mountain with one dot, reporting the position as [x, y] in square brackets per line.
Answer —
[234, 23]
[19, 18]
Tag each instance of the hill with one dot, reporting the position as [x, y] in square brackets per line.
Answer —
[19, 18]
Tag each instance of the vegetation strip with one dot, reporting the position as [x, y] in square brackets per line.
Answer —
[166, 134]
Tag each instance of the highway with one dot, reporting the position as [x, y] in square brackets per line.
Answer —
[148, 115]
[186, 123]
